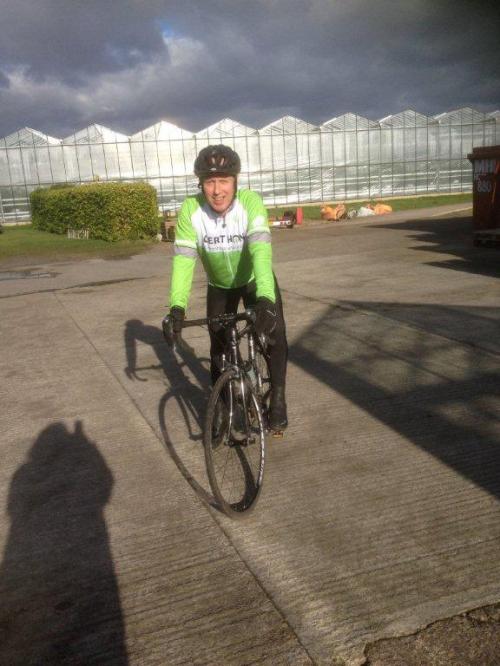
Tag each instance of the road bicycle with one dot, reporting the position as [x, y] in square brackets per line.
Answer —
[236, 419]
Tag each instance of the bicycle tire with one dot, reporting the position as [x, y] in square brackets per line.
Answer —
[235, 467]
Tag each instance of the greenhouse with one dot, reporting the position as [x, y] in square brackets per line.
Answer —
[289, 161]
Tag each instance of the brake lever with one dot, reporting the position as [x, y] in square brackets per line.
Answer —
[167, 331]
[175, 340]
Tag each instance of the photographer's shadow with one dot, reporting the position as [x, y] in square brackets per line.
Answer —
[182, 408]
[59, 595]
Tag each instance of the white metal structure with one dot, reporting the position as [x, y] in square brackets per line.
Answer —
[289, 161]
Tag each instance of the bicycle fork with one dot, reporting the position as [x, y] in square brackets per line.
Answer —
[241, 389]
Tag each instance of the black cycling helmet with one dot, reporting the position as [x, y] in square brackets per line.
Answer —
[217, 159]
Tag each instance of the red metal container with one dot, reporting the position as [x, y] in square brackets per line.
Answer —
[486, 187]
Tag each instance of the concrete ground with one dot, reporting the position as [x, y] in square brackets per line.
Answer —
[380, 514]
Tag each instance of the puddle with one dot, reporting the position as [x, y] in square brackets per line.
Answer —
[23, 275]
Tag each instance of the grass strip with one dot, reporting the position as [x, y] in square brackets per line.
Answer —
[24, 242]
[404, 203]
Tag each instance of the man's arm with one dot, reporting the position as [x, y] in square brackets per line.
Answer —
[259, 245]
[184, 260]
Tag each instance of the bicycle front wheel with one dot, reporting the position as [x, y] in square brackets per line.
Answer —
[234, 441]
[263, 384]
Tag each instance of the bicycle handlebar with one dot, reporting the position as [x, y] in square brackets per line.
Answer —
[224, 319]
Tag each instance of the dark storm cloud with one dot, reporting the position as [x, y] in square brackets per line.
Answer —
[4, 81]
[71, 39]
[129, 63]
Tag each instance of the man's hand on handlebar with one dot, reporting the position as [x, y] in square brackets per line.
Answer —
[177, 316]
[172, 325]
[265, 317]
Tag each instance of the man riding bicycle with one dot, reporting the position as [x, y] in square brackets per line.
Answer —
[228, 228]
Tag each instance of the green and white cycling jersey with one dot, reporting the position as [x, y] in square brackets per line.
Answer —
[235, 248]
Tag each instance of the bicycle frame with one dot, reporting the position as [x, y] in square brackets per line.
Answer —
[231, 357]
[240, 368]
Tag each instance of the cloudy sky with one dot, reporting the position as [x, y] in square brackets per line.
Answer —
[65, 64]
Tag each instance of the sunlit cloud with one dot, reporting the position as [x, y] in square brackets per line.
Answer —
[130, 64]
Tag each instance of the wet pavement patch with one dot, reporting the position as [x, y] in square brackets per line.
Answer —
[24, 275]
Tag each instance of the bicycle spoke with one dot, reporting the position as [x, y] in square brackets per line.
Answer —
[225, 465]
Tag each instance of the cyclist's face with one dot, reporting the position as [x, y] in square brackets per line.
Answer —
[219, 192]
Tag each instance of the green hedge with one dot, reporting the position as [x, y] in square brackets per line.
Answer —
[110, 211]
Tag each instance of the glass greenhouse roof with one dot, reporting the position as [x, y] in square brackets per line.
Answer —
[408, 118]
[161, 130]
[28, 137]
[348, 121]
[464, 116]
[225, 128]
[288, 125]
[228, 128]
[95, 134]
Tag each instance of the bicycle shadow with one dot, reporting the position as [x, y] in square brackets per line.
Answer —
[182, 407]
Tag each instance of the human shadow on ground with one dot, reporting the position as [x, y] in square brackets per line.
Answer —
[452, 236]
[184, 402]
[59, 595]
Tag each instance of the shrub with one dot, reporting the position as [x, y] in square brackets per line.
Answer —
[110, 211]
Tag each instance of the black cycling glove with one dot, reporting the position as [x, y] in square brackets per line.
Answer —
[265, 316]
[177, 316]
[172, 324]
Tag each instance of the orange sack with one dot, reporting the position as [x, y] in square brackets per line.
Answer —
[333, 213]
[381, 209]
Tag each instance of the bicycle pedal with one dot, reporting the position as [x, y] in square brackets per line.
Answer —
[277, 434]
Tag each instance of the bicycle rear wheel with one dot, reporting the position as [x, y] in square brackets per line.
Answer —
[234, 441]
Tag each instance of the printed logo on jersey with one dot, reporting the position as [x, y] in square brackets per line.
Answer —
[223, 242]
